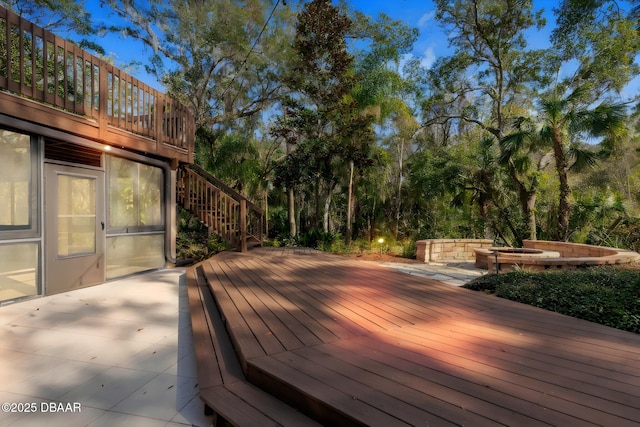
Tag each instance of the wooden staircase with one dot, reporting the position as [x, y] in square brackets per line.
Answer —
[223, 210]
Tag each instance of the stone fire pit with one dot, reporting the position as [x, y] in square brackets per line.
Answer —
[483, 254]
[538, 255]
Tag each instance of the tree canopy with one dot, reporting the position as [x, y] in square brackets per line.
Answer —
[319, 111]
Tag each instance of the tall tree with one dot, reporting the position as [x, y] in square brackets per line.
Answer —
[382, 91]
[488, 80]
[220, 57]
[53, 15]
[320, 116]
[567, 121]
[602, 39]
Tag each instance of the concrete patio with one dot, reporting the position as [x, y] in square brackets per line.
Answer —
[120, 352]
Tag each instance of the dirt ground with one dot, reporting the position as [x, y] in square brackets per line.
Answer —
[385, 257]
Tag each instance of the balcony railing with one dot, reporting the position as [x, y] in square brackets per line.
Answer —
[38, 65]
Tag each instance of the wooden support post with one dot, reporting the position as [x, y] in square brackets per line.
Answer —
[243, 225]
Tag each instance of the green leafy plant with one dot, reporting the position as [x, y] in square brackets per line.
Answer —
[193, 241]
[607, 295]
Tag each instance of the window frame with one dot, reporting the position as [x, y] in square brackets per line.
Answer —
[135, 229]
[33, 229]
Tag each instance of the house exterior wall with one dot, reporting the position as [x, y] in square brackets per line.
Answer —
[140, 236]
[81, 116]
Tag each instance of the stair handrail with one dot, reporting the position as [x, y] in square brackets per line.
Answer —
[242, 213]
[222, 186]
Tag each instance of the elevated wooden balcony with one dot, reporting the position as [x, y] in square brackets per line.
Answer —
[47, 80]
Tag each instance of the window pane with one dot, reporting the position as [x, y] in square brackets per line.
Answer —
[135, 194]
[135, 253]
[76, 215]
[15, 180]
[18, 270]
[122, 188]
[150, 195]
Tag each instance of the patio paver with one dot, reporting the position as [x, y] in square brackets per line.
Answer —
[123, 350]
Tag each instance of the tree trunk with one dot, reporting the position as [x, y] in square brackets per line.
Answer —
[484, 206]
[562, 232]
[528, 205]
[298, 210]
[399, 196]
[265, 212]
[350, 203]
[316, 211]
[531, 214]
[527, 199]
[327, 206]
[291, 199]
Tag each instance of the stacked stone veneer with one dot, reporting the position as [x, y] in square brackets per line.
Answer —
[449, 250]
[572, 256]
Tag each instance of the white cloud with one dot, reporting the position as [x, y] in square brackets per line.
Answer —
[424, 19]
[428, 57]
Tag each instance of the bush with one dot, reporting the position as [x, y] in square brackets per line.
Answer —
[335, 243]
[409, 249]
[193, 242]
[609, 296]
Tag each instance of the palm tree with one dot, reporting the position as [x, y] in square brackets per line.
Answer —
[566, 124]
[524, 155]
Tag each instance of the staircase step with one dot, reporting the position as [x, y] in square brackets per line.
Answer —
[203, 194]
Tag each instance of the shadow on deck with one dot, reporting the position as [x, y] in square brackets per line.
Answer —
[350, 343]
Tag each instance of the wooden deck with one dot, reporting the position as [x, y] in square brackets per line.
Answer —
[50, 81]
[351, 343]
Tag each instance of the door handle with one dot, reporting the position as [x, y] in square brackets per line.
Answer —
[102, 224]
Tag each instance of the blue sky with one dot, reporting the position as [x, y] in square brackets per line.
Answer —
[431, 43]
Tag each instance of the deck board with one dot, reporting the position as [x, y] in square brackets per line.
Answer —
[306, 328]
[352, 343]
[554, 391]
[440, 389]
[323, 317]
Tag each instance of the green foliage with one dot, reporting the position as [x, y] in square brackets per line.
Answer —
[602, 36]
[409, 249]
[215, 56]
[461, 149]
[53, 15]
[193, 241]
[593, 213]
[609, 296]
[321, 125]
[337, 245]
[622, 233]
[236, 162]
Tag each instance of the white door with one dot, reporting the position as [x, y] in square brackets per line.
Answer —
[74, 228]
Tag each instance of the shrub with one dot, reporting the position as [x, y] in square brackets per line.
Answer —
[409, 249]
[609, 296]
[193, 242]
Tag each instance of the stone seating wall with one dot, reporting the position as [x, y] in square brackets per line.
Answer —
[570, 250]
[572, 256]
[449, 250]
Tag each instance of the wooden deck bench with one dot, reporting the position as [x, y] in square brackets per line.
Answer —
[223, 388]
